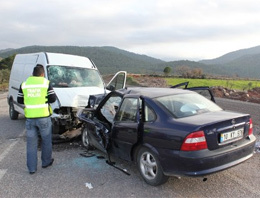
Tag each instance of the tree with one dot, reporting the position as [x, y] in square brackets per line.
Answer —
[4, 75]
[1, 77]
[6, 63]
[183, 71]
[167, 70]
[187, 72]
[197, 73]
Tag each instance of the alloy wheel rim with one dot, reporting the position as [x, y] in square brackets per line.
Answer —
[85, 138]
[148, 165]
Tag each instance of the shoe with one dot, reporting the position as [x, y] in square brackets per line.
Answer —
[52, 160]
[31, 173]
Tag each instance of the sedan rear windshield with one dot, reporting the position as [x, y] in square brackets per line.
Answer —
[184, 105]
[64, 76]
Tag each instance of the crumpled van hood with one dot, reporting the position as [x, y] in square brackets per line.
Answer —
[76, 96]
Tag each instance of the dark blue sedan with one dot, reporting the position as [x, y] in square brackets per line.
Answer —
[168, 132]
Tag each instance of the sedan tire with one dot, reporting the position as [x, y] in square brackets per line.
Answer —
[150, 168]
[85, 138]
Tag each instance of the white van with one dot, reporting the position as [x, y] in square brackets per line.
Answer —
[73, 78]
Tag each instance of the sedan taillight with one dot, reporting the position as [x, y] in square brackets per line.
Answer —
[250, 132]
[194, 142]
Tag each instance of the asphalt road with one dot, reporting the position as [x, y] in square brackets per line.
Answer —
[70, 172]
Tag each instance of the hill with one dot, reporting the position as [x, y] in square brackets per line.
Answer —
[244, 63]
[232, 56]
[108, 59]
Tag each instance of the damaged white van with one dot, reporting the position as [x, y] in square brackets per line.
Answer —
[73, 78]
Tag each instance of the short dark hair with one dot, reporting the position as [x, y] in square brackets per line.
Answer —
[38, 70]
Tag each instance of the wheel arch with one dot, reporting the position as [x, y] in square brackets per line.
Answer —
[152, 173]
[9, 99]
[137, 147]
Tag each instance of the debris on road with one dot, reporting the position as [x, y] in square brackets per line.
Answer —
[87, 154]
[89, 185]
[71, 134]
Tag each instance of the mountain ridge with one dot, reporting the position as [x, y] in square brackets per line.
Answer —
[243, 63]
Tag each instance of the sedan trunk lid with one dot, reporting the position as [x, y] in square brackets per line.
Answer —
[221, 128]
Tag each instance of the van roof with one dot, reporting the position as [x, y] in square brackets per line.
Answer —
[68, 60]
[56, 59]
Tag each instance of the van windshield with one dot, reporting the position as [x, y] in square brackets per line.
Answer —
[64, 76]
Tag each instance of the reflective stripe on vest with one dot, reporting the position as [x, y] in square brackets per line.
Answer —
[35, 97]
[36, 106]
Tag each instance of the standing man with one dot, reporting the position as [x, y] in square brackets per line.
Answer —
[36, 93]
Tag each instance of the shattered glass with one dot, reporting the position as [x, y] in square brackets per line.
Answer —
[64, 76]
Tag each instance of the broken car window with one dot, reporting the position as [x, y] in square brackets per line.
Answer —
[110, 107]
[63, 76]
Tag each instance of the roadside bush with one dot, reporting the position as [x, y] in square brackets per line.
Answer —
[4, 76]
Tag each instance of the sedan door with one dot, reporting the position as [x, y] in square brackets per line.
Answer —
[99, 126]
[126, 129]
[202, 90]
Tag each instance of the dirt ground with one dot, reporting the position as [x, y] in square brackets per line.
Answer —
[252, 95]
[148, 81]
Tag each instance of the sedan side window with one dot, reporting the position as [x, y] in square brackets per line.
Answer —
[128, 110]
[110, 107]
[149, 114]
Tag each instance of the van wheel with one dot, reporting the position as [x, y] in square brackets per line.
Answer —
[12, 113]
[150, 168]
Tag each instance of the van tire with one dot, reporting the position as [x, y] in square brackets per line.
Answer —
[12, 113]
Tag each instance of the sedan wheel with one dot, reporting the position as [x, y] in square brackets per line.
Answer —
[150, 168]
[85, 139]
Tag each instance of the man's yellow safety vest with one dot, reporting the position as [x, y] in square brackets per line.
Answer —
[35, 91]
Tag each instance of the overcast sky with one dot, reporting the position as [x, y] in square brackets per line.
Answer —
[164, 29]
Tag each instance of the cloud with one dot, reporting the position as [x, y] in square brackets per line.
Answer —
[180, 29]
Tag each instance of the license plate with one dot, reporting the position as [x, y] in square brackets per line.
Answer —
[231, 136]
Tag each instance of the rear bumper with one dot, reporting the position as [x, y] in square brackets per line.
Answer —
[204, 162]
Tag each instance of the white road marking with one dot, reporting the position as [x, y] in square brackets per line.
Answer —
[2, 173]
[5, 153]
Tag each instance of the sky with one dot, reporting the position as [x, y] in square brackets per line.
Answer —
[163, 29]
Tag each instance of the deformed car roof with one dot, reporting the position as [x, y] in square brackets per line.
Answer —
[153, 92]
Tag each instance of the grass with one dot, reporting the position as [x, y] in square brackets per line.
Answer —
[228, 83]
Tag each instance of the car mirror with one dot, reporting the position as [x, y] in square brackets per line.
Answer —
[110, 88]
